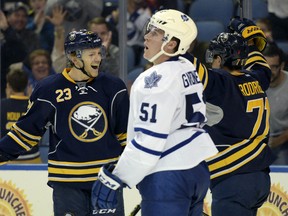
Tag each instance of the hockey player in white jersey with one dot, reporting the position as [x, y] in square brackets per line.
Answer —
[166, 146]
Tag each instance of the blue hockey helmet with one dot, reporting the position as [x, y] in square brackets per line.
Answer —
[231, 47]
[76, 41]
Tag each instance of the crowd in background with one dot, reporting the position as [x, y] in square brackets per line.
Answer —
[33, 33]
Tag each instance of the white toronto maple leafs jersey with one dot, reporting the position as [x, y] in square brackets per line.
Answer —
[167, 110]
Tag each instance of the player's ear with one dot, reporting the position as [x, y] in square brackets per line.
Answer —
[216, 62]
[171, 46]
[73, 58]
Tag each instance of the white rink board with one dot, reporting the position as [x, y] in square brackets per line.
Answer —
[24, 190]
[30, 181]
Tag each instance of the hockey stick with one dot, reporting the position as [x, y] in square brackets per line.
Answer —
[135, 210]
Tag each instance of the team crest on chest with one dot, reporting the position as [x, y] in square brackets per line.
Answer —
[88, 122]
[152, 80]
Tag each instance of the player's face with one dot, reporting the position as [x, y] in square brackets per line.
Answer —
[275, 65]
[40, 67]
[153, 40]
[92, 59]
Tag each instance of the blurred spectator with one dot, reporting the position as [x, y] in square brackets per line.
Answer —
[265, 25]
[278, 100]
[110, 63]
[18, 41]
[40, 25]
[13, 27]
[155, 5]
[79, 12]
[278, 15]
[58, 55]
[39, 67]
[13, 107]
[138, 15]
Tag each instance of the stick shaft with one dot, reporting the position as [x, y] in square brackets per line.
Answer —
[135, 210]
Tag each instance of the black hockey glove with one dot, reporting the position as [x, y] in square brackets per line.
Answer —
[105, 190]
[249, 31]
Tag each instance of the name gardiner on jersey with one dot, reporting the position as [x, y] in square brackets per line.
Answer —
[250, 88]
[190, 78]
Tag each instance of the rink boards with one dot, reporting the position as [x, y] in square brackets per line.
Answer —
[24, 192]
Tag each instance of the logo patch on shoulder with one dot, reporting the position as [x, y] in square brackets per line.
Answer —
[152, 80]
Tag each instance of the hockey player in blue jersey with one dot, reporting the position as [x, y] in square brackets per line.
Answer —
[86, 112]
[166, 146]
[238, 119]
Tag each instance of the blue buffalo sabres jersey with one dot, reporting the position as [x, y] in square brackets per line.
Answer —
[12, 109]
[238, 115]
[87, 123]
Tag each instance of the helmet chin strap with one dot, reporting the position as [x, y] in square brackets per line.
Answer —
[156, 56]
[82, 69]
[79, 56]
[152, 60]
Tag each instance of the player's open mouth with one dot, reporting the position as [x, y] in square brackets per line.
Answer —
[95, 66]
[145, 45]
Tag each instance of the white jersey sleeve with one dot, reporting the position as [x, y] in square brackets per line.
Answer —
[166, 111]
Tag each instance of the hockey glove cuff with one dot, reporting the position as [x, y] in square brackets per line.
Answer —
[249, 31]
[105, 190]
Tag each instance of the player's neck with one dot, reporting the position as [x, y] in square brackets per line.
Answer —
[77, 75]
[161, 59]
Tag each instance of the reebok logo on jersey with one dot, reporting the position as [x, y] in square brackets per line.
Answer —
[152, 80]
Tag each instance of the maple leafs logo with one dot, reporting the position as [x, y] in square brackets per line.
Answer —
[152, 80]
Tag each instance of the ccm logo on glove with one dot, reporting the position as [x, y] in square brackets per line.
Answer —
[108, 181]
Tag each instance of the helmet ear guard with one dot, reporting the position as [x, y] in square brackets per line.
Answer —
[78, 53]
[209, 56]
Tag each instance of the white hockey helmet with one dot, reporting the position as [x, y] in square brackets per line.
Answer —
[175, 24]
